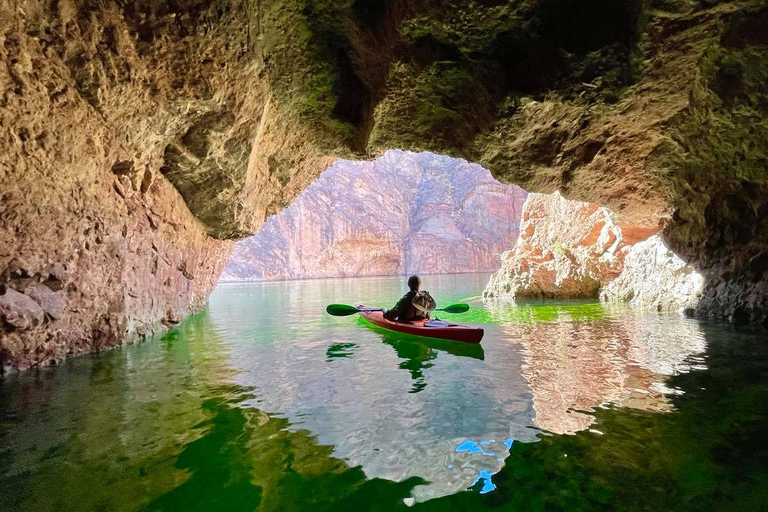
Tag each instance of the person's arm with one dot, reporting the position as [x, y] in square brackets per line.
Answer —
[400, 308]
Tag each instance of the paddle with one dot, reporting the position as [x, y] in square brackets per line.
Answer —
[345, 310]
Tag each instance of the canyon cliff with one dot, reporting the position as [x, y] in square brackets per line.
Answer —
[571, 249]
[403, 213]
[135, 131]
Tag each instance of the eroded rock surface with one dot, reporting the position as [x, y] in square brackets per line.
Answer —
[654, 276]
[571, 249]
[402, 213]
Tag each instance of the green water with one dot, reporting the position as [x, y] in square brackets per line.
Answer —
[263, 402]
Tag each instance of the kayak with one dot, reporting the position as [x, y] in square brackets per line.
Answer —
[439, 329]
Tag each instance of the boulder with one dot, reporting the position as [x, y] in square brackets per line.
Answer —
[566, 249]
[19, 311]
[51, 302]
[570, 249]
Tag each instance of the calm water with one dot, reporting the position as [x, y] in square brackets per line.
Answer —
[263, 402]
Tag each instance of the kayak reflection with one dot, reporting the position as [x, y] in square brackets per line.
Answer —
[418, 353]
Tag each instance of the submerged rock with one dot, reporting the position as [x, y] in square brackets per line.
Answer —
[570, 249]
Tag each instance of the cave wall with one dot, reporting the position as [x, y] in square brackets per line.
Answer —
[655, 109]
[139, 129]
[136, 140]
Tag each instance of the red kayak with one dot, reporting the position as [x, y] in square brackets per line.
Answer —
[429, 328]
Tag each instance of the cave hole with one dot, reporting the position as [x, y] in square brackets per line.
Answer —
[402, 213]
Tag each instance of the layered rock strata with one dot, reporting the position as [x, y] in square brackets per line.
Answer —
[654, 109]
[402, 213]
[570, 249]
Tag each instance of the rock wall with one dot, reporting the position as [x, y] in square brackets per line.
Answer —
[96, 246]
[654, 276]
[402, 213]
[570, 249]
[136, 139]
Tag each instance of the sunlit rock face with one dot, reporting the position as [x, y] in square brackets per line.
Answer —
[402, 213]
[570, 249]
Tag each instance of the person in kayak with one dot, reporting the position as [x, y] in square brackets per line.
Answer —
[404, 310]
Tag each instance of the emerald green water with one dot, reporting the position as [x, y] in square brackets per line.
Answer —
[263, 402]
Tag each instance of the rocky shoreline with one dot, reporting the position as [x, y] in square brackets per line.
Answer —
[570, 249]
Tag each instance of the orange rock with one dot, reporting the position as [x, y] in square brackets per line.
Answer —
[570, 249]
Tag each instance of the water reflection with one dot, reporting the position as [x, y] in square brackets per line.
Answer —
[339, 350]
[711, 454]
[418, 354]
[266, 402]
[395, 405]
[581, 356]
[161, 426]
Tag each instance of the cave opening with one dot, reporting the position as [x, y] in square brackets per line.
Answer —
[400, 214]
[423, 213]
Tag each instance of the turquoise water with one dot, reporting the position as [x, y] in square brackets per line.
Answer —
[263, 402]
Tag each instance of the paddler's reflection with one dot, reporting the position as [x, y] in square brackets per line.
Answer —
[418, 353]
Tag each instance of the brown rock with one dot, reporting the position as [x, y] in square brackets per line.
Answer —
[20, 311]
[51, 302]
[566, 249]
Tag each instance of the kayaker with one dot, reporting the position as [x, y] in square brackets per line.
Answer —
[404, 310]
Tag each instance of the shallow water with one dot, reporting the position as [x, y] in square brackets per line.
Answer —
[264, 402]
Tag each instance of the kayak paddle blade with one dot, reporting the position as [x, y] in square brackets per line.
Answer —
[341, 310]
[457, 308]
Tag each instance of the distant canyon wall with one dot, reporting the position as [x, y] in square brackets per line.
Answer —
[402, 213]
[571, 249]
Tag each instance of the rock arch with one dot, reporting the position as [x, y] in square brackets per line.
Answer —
[138, 137]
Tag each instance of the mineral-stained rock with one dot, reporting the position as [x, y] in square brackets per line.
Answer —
[19, 311]
[402, 213]
[566, 249]
[571, 249]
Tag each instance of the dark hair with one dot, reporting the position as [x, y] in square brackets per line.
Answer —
[414, 282]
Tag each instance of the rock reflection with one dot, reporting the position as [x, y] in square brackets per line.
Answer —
[581, 356]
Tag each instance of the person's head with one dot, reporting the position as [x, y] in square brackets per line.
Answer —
[414, 282]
